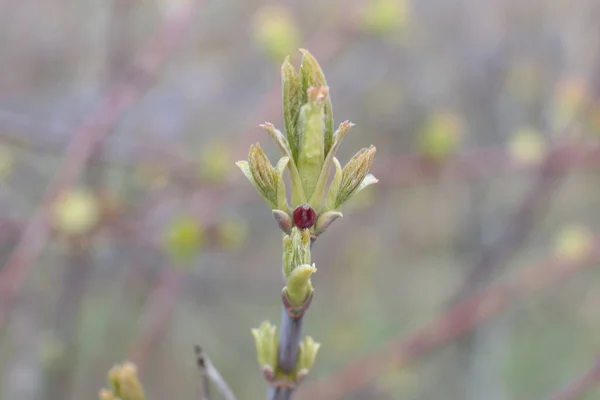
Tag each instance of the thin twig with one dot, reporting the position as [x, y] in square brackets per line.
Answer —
[458, 320]
[581, 386]
[119, 97]
[208, 371]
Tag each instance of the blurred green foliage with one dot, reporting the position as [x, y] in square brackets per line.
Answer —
[183, 239]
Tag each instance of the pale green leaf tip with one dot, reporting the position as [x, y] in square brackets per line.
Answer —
[298, 284]
[307, 355]
[265, 339]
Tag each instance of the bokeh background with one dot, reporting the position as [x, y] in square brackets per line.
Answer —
[127, 233]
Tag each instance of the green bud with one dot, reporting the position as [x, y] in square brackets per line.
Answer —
[311, 75]
[292, 101]
[306, 356]
[311, 153]
[267, 180]
[183, 238]
[298, 284]
[125, 383]
[325, 220]
[354, 175]
[296, 250]
[267, 343]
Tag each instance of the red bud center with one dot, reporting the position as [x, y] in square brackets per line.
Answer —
[304, 216]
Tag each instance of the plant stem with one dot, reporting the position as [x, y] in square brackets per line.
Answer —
[289, 341]
[279, 393]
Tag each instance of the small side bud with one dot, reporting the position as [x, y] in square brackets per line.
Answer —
[325, 220]
[306, 356]
[268, 373]
[266, 341]
[263, 176]
[354, 175]
[283, 220]
[124, 382]
[299, 285]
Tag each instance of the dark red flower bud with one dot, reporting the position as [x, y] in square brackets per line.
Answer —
[304, 216]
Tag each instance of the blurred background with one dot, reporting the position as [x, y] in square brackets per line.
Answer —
[127, 233]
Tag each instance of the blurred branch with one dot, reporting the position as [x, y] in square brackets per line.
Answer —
[481, 163]
[581, 386]
[79, 260]
[533, 204]
[208, 372]
[76, 274]
[154, 321]
[118, 98]
[458, 320]
[519, 225]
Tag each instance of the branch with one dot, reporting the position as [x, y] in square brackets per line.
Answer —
[287, 357]
[209, 372]
[76, 275]
[458, 320]
[118, 98]
[154, 320]
[580, 386]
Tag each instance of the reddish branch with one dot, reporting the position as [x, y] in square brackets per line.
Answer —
[160, 305]
[482, 163]
[119, 97]
[581, 386]
[457, 321]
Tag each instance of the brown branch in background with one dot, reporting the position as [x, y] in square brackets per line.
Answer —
[581, 386]
[519, 225]
[534, 203]
[209, 373]
[458, 320]
[481, 163]
[155, 318]
[118, 98]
